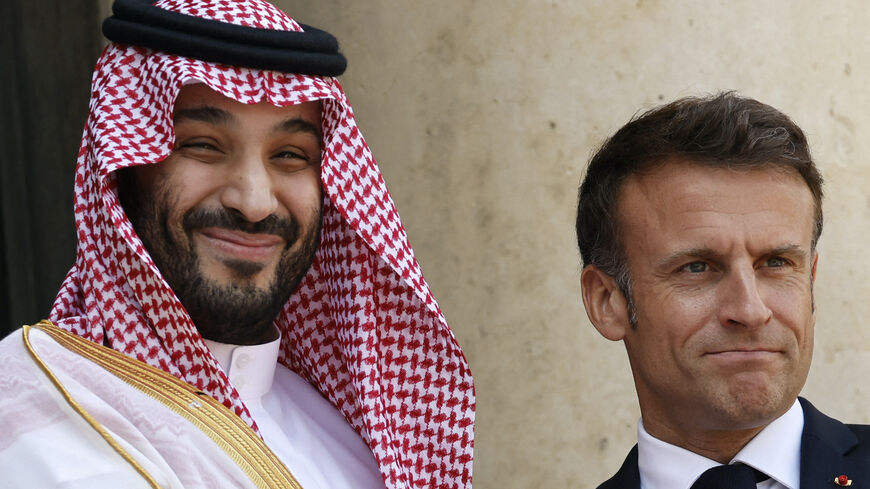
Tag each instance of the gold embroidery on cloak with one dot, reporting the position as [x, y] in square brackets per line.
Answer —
[211, 417]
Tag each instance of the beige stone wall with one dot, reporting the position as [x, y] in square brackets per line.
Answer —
[482, 115]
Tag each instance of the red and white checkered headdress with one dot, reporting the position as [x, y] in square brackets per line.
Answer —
[363, 326]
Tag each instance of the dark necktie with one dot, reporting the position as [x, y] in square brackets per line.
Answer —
[736, 476]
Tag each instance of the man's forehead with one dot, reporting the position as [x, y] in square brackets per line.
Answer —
[692, 199]
[194, 93]
[200, 102]
[680, 176]
[199, 93]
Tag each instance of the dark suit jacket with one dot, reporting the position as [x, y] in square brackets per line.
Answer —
[829, 448]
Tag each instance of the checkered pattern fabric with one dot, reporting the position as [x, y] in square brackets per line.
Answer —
[363, 326]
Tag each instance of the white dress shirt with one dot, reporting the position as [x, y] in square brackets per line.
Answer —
[299, 425]
[775, 451]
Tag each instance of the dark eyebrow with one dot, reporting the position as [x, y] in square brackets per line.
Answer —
[206, 113]
[680, 255]
[707, 253]
[214, 115]
[788, 250]
[297, 124]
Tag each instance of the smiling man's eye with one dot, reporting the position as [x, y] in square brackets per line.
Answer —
[291, 154]
[776, 262]
[198, 145]
[695, 267]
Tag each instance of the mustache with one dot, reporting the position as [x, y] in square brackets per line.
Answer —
[232, 219]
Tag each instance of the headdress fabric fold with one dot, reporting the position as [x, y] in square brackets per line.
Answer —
[309, 51]
[363, 327]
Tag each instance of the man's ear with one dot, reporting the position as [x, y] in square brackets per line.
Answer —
[815, 263]
[605, 304]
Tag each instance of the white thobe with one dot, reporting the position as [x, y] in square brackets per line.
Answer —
[298, 424]
[45, 443]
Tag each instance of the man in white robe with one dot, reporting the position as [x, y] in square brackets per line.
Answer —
[244, 310]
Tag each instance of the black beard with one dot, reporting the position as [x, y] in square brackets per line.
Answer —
[237, 313]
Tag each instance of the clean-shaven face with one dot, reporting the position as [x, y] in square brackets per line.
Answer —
[722, 268]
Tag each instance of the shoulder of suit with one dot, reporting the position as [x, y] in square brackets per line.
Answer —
[862, 431]
[627, 477]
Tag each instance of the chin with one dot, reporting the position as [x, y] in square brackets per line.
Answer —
[240, 273]
[750, 406]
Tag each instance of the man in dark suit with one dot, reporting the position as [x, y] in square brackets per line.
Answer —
[697, 224]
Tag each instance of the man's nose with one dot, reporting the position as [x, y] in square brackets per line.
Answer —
[742, 302]
[249, 189]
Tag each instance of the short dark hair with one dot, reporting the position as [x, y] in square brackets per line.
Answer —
[724, 130]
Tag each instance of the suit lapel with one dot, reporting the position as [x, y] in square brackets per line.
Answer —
[628, 476]
[829, 448]
[825, 447]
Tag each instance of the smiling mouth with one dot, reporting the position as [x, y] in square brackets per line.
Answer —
[742, 354]
[241, 246]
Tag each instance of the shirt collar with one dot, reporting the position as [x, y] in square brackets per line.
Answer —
[775, 451]
[250, 368]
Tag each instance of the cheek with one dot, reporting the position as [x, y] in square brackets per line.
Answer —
[674, 328]
[800, 321]
[175, 193]
[793, 306]
[190, 186]
[301, 193]
[681, 314]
